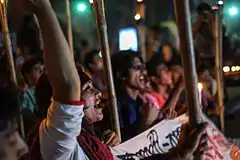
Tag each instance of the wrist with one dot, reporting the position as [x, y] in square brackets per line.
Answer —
[43, 9]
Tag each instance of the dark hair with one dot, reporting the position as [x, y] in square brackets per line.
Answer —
[153, 63]
[203, 7]
[9, 105]
[89, 59]
[43, 92]
[29, 64]
[121, 63]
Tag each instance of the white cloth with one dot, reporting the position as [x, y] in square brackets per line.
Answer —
[59, 131]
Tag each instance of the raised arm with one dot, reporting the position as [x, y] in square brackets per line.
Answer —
[57, 55]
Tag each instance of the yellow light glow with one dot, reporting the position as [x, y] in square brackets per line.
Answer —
[137, 17]
[200, 87]
[2, 1]
[237, 68]
[90, 1]
[226, 69]
[139, 0]
[233, 68]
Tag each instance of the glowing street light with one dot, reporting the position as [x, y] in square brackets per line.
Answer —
[220, 2]
[233, 11]
[81, 7]
[137, 17]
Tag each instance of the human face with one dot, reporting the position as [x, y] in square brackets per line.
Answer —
[97, 63]
[92, 97]
[167, 52]
[136, 77]
[163, 74]
[12, 145]
[177, 71]
[35, 74]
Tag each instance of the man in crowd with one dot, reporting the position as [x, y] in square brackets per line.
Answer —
[202, 31]
[94, 64]
[128, 69]
[31, 71]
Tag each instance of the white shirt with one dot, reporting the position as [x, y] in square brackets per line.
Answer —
[59, 131]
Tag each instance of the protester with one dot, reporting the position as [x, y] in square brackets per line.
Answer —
[168, 54]
[31, 71]
[161, 81]
[94, 64]
[203, 33]
[134, 115]
[12, 145]
[91, 113]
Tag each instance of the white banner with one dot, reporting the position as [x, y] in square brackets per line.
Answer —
[162, 137]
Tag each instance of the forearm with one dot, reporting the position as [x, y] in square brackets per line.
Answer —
[58, 56]
[174, 97]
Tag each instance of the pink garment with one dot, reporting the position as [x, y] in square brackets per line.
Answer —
[148, 98]
[151, 99]
[160, 100]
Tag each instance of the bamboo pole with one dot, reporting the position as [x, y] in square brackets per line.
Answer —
[104, 46]
[69, 25]
[140, 7]
[182, 13]
[218, 63]
[39, 31]
[7, 40]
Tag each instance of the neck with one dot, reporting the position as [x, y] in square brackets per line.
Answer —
[133, 93]
[161, 89]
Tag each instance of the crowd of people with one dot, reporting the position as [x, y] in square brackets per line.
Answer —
[64, 103]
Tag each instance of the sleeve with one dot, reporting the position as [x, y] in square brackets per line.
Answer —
[59, 131]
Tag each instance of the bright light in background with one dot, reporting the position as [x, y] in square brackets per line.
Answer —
[137, 17]
[128, 39]
[200, 87]
[90, 1]
[100, 54]
[220, 2]
[233, 11]
[81, 7]
[235, 68]
[139, 0]
[226, 69]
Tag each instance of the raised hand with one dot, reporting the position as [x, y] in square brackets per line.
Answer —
[169, 113]
[111, 139]
[150, 113]
[192, 141]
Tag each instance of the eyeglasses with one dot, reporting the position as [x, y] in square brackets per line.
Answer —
[138, 67]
